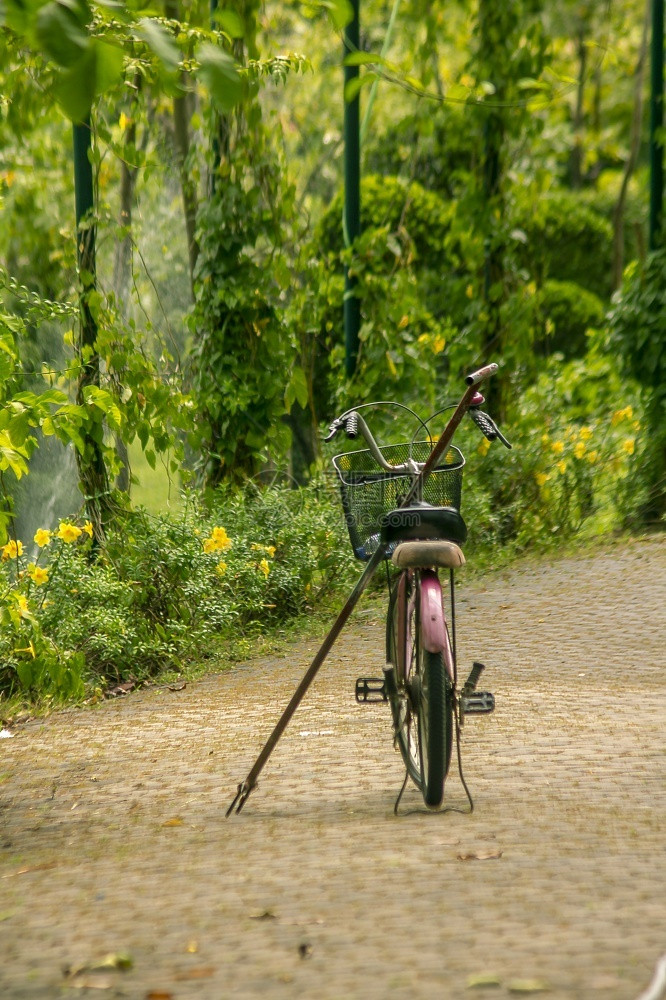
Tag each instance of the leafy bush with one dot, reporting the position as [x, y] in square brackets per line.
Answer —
[407, 210]
[567, 312]
[163, 588]
[567, 241]
[574, 434]
[637, 332]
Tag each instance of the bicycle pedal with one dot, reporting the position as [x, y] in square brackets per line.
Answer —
[370, 690]
[477, 703]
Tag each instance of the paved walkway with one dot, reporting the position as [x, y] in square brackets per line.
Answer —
[114, 844]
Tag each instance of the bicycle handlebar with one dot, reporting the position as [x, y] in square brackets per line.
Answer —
[352, 422]
[482, 374]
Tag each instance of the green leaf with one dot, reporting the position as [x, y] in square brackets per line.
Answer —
[110, 62]
[75, 88]
[341, 12]
[60, 33]
[229, 22]
[160, 42]
[353, 86]
[297, 389]
[218, 71]
[364, 59]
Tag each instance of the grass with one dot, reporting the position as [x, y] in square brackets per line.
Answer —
[155, 489]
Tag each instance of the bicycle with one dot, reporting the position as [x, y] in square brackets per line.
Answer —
[420, 537]
[418, 525]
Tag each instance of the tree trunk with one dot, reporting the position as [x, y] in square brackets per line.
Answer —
[181, 132]
[576, 163]
[634, 149]
[93, 476]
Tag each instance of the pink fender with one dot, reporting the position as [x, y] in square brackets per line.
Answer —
[435, 638]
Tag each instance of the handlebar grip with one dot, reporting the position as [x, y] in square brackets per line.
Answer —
[488, 427]
[351, 425]
[485, 424]
[481, 374]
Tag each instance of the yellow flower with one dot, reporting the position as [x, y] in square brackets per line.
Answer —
[22, 602]
[438, 344]
[271, 550]
[42, 537]
[592, 456]
[484, 447]
[562, 466]
[558, 447]
[68, 532]
[208, 545]
[221, 568]
[579, 450]
[585, 433]
[264, 567]
[629, 446]
[542, 478]
[88, 528]
[545, 439]
[12, 550]
[221, 539]
[620, 415]
[37, 574]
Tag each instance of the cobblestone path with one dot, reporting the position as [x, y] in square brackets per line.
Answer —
[114, 848]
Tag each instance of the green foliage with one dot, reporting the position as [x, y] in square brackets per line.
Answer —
[566, 240]
[567, 311]
[240, 354]
[637, 331]
[407, 211]
[163, 588]
[575, 432]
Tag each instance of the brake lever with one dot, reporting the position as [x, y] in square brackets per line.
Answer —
[487, 426]
[333, 429]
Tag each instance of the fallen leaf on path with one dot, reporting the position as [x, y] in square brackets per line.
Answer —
[481, 855]
[200, 972]
[33, 868]
[177, 687]
[159, 995]
[305, 949]
[120, 960]
[486, 980]
[263, 915]
[527, 986]
[174, 821]
[121, 689]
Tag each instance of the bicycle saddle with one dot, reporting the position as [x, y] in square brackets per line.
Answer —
[421, 521]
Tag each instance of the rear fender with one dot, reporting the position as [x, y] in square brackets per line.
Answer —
[432, 613]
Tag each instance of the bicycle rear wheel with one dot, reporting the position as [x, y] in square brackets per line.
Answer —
[423, 708]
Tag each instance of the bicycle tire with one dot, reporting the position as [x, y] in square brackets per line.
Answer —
[423, 707]
[434, 726]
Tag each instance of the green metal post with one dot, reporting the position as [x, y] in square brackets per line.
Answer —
[92, 468]
[656, 123]
[352, 209]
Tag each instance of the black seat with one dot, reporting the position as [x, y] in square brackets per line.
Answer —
[424, 522]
